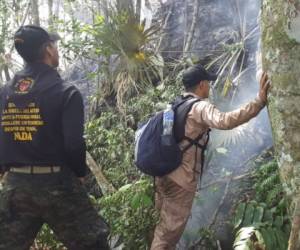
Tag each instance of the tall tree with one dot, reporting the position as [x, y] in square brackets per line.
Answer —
[50, 13]
[138, 9]
[190, 34]
[125, 5]
[4, 29]
[35, 12]
[281, 59]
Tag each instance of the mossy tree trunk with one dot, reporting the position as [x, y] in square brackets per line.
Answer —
[281, 59]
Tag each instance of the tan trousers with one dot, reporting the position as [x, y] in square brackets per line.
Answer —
[174, 204]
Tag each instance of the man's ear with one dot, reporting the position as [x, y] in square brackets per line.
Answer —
[49, 50]
[201, 84]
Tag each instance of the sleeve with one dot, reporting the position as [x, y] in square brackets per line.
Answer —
[213, 118]
[73, 128]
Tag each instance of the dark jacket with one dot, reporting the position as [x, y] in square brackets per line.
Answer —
[42, 121]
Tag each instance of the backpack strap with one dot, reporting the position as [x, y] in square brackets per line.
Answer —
[193, 142]
[198, 145]
[182, 106]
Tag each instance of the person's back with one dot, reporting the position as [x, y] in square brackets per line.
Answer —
[35, 100]
[42, 151]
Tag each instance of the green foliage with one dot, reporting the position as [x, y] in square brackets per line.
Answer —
[110, 138]
[248, 238]
[257, 214]
[260, 237]
[77, 44]
[263, 222]
[132, 63]
[47, 240]
[268, 186]
[110, 141]
[131, 214]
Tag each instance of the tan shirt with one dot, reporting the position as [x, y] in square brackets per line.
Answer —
[203, 116]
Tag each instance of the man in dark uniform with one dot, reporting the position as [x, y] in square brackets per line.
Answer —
[42, 152]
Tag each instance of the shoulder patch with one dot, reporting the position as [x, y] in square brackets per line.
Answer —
[24, 85]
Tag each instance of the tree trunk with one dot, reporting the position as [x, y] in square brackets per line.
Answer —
[165, 25]
[281, 59]
[35, 12]
[138, 9]
[191, 32]
[50, 16]
[125, 5]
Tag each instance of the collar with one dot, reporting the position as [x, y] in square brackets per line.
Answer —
[38, 67]
[194, 95]
[190, 93]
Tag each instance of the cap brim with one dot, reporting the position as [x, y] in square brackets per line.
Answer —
[212, 77]
[54, 37]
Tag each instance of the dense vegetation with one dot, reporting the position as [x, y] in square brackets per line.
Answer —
[125, 79]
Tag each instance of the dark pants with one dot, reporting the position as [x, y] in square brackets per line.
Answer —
[28, 201]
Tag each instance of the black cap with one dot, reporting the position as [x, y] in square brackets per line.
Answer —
[29, 39]
[193, 75]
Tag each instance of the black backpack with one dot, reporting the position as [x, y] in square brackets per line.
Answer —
[155, 158]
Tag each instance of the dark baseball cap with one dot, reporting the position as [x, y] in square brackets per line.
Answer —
[196, 73]
[29, 39]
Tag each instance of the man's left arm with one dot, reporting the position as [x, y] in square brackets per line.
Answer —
[73, 128]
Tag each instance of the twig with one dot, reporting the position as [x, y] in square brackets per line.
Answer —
[220, 204]
[105, 185]
[214, 218]
[240, 166]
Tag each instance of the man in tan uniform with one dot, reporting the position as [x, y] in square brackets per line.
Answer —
[176, 191]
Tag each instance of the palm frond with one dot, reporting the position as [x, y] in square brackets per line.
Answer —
[123, 36]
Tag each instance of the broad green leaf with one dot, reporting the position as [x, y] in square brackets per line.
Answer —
[125, 187]
[239, 216]
[136, 201]
[258, 214]
[248, 218]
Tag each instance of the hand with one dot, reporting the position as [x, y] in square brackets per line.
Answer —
[264, 87]
[82, 180]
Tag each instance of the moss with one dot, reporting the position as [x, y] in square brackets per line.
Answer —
[287, 82]
[274, 34]
[281, 58]
[278, 45]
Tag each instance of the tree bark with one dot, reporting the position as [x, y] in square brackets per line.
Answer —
[281, 59]
[35, 12]
[164, 28]
[138, 9]
[191, 32]
[50, 12]
[125, 5]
